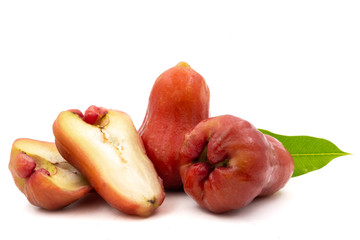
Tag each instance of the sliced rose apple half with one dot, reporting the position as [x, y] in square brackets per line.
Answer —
[45, 178]
[105, 146]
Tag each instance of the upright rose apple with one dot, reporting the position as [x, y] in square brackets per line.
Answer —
[178, 101]
[226, 162]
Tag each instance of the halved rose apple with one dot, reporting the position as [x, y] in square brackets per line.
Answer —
[45, 178]
[105, 146]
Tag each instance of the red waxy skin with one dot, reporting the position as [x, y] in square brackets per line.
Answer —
[24, 165]
[239, 164]
[94, 114]
[178, 101]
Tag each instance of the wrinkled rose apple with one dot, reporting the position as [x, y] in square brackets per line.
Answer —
[226, 162]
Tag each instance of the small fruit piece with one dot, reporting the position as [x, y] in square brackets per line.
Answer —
[111, 155]
[24, 165]
[226, 162]
[93, 114]
[44, 177]
[178, 101]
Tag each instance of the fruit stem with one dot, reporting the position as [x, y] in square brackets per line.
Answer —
[183, 64]
[203, 158]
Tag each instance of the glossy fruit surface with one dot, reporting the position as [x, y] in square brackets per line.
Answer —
[226, 163]
[178, 101]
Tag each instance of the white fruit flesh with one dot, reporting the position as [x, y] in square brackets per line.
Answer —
[46, 156]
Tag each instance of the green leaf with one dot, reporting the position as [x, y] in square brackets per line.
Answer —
[309, 153]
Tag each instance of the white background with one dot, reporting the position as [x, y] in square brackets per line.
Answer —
[291, 67]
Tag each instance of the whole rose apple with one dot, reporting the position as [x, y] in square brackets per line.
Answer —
[178, 101]
[226, 162]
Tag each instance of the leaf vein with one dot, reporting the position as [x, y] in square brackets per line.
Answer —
[318, 154]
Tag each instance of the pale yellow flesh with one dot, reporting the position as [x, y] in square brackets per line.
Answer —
[46, 156]
[117, 154]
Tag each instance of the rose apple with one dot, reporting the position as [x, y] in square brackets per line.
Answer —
[226, 162]
[46, 179]
[178, 101]
[105, 146]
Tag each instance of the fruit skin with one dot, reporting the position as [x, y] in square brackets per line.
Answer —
[28, 162]
[226, 162]
[107, 153]
[178, 101]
